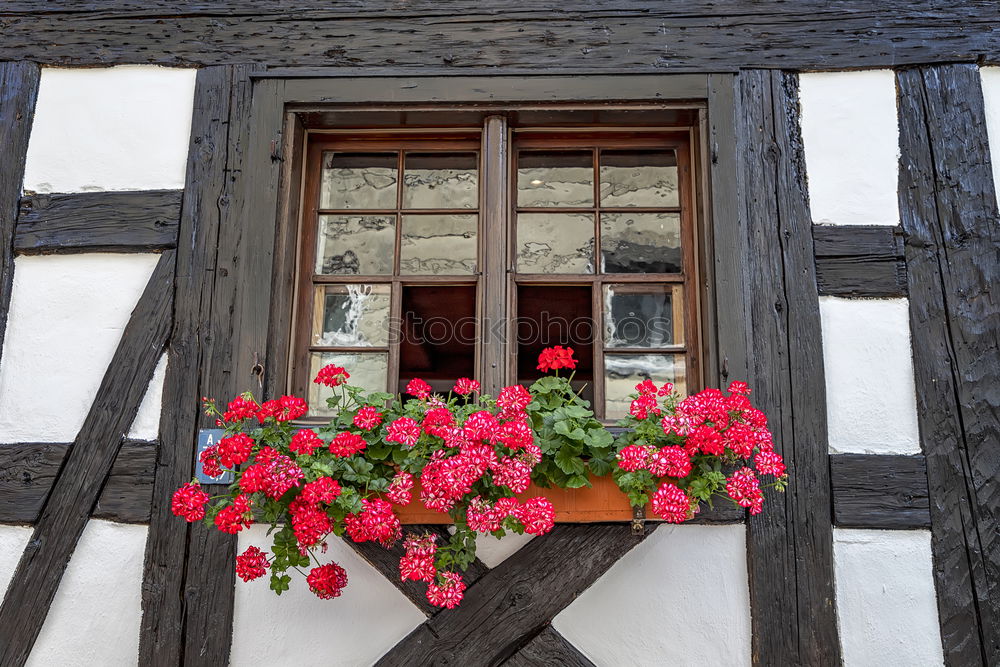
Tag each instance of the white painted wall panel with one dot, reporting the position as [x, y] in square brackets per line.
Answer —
[67, 313]
[679, 598]
[146, 425]
[298, 628]
[870, 392]
[117, 128]
[851, 138]
[886, 606]
[492, 551]
[95, 616]
[13, 539]
[991, 97]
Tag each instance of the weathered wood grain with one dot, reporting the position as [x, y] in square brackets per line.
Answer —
[879, 491]
[789, 545]
[78, 485]
[595, 35]
[140, 221]
[28, 470]
[18, 90]
[508, 605]
[949, 213]
[546, 649]
[859, 260]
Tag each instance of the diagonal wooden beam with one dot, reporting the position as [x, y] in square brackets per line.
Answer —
[546, 649]
[511, 603]
[949, 212]
[80, 481]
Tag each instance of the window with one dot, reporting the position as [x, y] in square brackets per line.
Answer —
[444, 252]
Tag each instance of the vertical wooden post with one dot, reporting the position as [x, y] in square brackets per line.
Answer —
[495, 329]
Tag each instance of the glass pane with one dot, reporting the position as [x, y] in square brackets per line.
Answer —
[438, 244]
[355, 244]
[368, 370]
[643, 316]
[351, 316]
[555, 243]
[564, 179]
[358, 180]
[440, 180]
[640, 242]
[639, 178]
[622, 372]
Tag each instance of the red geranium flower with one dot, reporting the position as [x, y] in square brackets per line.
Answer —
[327, 581]
[251, 564]
[465, 386]
[554, 358]
[418, 388]
[332, 376]
[189, 502]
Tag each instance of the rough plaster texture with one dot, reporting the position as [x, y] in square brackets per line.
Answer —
[679, 598]
[851, 139]
[146, 425]
[67, 313]
[94, 619]
[117, 128]
[870, 391]
[991, 96]
[298, 628]
[13, 539]
[492, 551]
[886, 606]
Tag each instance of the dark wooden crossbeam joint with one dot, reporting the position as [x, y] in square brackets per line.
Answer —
[859, 260]
[879, 491]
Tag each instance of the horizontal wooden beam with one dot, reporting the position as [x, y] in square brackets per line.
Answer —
[630, 35]
[879, 491]
[859, 261]
[98, 221]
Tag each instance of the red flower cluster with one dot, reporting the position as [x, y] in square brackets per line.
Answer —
[418, 388]
[663, 462]
[671, 504]
[327, 581]
[235, 517]
[465, 386]
[418, 562]
[744, 487]
[286, 408]
[404, 430]
[332, 376]
[554, 358]
[367, 418]
[446, 591]
[251, 564]
[240, 408]
[189, 502]
[376, 522]
[347, 444]
[401, 488]
[305, 441]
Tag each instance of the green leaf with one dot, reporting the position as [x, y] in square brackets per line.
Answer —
[577, 481]
[599, 438]
[599, 466]
[279, 583]
[569, 463]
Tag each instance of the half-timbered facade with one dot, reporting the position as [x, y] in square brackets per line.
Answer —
[836, 225]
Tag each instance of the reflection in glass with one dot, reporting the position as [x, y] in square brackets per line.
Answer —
[643, 316]
[438, 244]
[622, 372]
[440, 180]
[352, 316]
[639, 178]
[555, 243]
[564, 179]
[368, 370]
[355, 244]
[358, 180]
[640, 243]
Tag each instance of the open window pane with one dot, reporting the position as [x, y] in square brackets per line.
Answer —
[437, 334]
[622, 372]
[438, 244]
[351, 316]
[550, 315]
[639, 178]
[640, 243]
[555, 179]
[355, 244]
[368, 370]
[440, 180]
[358, 180]
[637, 315]
[555, 243]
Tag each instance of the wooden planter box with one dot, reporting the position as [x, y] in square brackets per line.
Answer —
[602, 502]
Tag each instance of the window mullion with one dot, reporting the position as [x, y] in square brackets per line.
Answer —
[494, 292]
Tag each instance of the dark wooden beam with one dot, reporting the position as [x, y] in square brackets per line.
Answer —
[949, 213]
[790, 545]
[18, 90]
[28, 470]
[546, 649]
[859, 260]
[508, 606]
[80, 481]
[879, 491]
[634, 35]
[140, 221]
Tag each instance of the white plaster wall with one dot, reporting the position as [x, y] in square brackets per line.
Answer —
[67, 313]
[851, 137]
[886, 605]
[13, 539]
[117, 128]
[990, 77]
[870, 392]
[679, 598]
[493, 551]
[95, 616]
[298, 628]
[146, 425]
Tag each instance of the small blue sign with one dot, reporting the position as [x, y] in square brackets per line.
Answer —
[207, 437]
